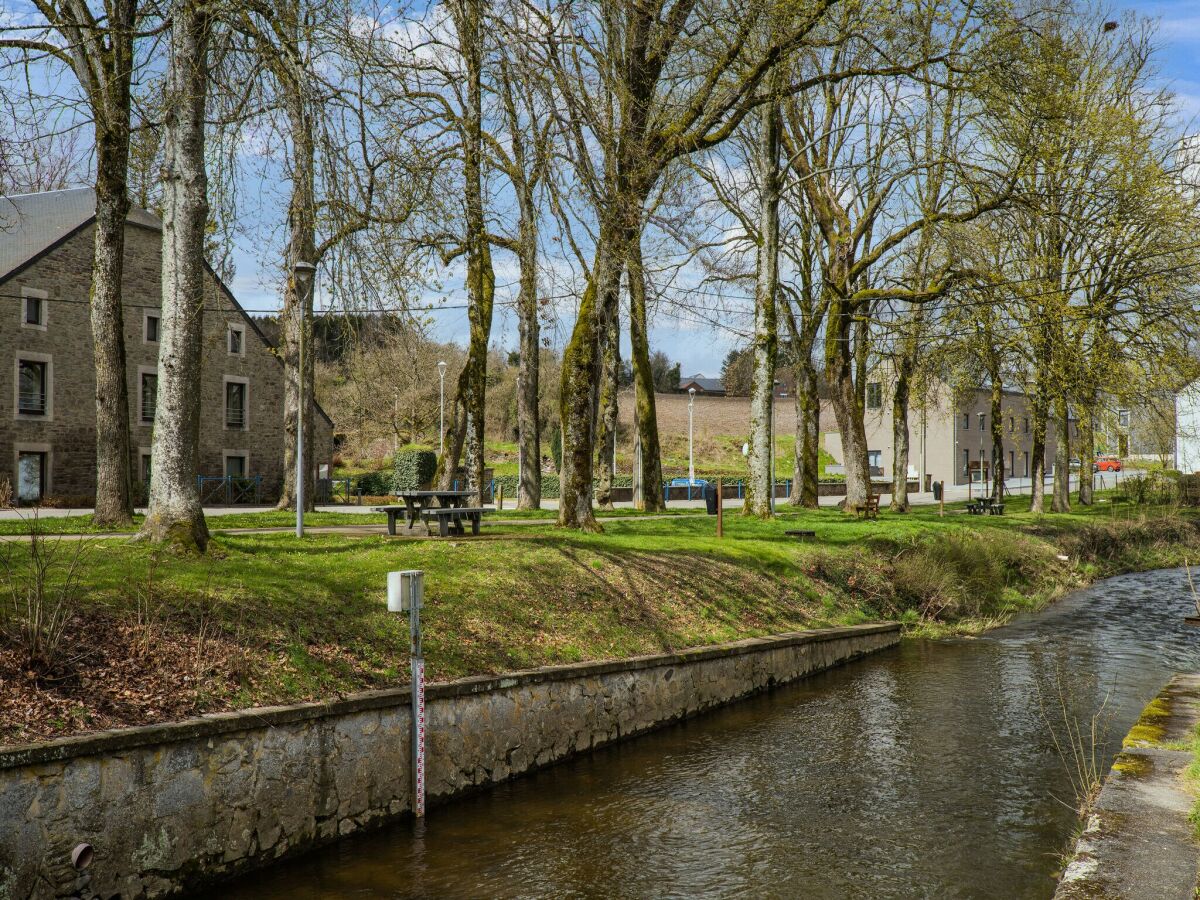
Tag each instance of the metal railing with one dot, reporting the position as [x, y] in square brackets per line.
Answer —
[31, 403]
[149, 406]
[235, 417]
[229, 490]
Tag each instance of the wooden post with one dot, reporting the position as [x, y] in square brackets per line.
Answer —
[720, 508]
[500, 497]
[942, 501]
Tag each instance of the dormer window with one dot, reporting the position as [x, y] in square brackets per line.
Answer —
[151, 329]
[237, 340]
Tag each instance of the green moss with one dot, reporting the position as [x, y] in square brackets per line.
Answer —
[1150, 727]
[1132, 764]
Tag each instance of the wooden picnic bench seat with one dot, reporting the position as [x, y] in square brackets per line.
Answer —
[392, 513]
[870, 509]
[452, 518]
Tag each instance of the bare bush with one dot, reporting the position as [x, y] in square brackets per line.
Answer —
[39, 592]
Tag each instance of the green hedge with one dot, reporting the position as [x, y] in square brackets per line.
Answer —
[414, 469]
[374, 484]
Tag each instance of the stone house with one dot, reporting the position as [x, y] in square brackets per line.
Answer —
[949, 434]
[48, 407]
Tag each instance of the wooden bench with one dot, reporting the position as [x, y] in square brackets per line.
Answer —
[392, 513]
[452, 519]
[870, 509]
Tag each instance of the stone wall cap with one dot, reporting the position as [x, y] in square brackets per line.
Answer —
[219, 723]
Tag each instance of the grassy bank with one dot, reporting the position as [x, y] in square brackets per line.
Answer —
[266, 618]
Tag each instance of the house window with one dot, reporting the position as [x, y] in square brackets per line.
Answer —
[1027, 428]
[150, 334]
[1123, 418]
[875, 461]
[32, 388]
[145, 467]
[148, 390]
[237, 340]
[235, 404]
[982, 422]
[235, 465]
[1012, 462]
[966, 462]
[1026, 463]
[874, 395]
[1012, 424]
[31, 476]
[966, 421]
[33, 309]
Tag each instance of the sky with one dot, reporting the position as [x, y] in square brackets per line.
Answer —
[697, 346]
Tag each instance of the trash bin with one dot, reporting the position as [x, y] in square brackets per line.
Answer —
[937, 490]
[710, 498]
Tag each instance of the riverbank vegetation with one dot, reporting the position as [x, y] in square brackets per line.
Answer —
[148, 636]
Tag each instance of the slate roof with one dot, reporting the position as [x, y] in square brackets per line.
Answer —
[29, 223]
[711, 385]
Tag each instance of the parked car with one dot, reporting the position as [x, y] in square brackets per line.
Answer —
[1108, 464]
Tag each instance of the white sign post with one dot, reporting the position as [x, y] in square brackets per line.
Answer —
[406, 592]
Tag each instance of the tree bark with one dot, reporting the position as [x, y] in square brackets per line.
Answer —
[808, 433]
[1062, 457]
[1037, 468]
[760, 485]
[296, 316]
[997, 413]
[529, 426]
[175, 514]
[648, 494]
[610, 365]
[900, 447]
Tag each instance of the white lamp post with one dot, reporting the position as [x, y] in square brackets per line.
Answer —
[441, 408]
[691, 458]
[302, 273]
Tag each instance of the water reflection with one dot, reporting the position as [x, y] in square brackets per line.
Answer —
[925, 771]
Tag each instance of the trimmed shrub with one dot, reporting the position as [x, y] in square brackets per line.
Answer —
[375, 484]
[556, 447]
[414, 470]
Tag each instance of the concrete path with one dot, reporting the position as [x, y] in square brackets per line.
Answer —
[1139, 843]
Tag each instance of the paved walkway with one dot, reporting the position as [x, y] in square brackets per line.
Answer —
[1139, 844]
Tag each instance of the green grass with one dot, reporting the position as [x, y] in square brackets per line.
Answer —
[305, 618]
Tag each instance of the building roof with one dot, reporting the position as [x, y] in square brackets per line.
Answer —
[31, 223]
[704, 384]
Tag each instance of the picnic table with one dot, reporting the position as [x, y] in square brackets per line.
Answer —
[418, 503]
[985, 506]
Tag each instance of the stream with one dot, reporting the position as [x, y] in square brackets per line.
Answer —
[927, 770]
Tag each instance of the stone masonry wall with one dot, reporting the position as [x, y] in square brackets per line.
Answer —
[170, 807]
[68, 434]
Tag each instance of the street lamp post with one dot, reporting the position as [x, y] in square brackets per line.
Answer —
[441, 408]
[302, 273]
[691, 458]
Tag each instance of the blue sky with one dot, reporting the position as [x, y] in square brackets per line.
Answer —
[698, 348]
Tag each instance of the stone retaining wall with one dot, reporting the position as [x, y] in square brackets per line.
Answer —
[169, 807]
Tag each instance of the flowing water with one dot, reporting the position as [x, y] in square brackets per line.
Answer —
[928, 770]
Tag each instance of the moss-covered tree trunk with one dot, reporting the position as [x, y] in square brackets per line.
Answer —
[648, 455]
[808, 433]
[1087, 455]
[580, 371]
[900, 444]
[529, 425]
[1062, 456]
[997, 412]
[1037, 466]
[610, 367]
[175, 514]
[760, 485]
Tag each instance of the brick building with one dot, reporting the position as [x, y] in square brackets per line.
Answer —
[48, 408]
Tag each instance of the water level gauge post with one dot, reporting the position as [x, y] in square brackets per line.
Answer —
[406, 594]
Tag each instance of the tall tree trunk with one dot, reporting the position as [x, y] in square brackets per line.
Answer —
[529, 491]
[175, 513]
[297, 313]
[766, 333]
[481, 279]
[1062, 457]
[610, 367]
[1037, 467]
[648, 454]
[900, 445]
[1087, 450]
[808, 433]
[997, 413]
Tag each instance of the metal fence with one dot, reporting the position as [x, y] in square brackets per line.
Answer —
[229, 490]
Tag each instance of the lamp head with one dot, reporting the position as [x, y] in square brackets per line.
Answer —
[691, 392]
[441, 367]
[303, 273]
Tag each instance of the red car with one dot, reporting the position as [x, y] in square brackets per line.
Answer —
[1108, 464]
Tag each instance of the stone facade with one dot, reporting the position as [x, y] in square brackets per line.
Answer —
[61, 276]
[169, 807]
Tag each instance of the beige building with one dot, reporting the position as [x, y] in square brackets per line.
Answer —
[48, 406]
[949, 436]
